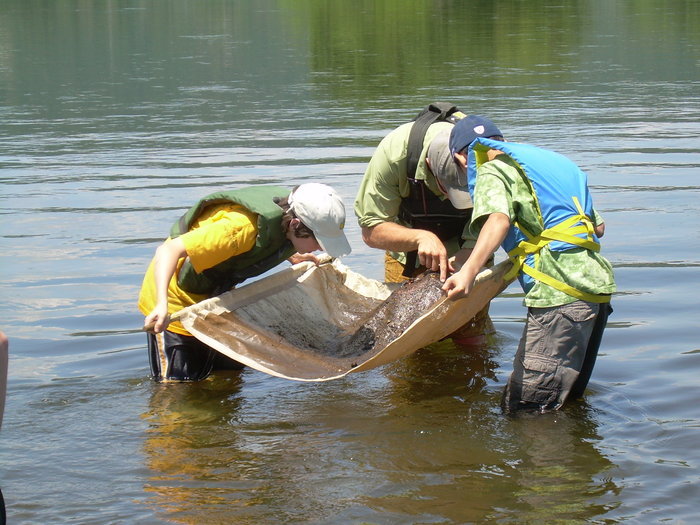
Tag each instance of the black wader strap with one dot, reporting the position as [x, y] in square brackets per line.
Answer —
[437, 111]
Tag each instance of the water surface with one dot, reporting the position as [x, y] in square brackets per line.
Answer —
[115, 116]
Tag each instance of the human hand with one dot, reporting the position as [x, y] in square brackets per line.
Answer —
[459, 284]
[158, 320]
[432, 253]
[301, 257]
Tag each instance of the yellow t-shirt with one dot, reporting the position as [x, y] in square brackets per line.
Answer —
[220, 233]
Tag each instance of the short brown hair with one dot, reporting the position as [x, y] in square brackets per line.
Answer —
[303, 231]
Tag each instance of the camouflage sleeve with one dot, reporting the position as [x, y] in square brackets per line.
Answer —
[491, 195]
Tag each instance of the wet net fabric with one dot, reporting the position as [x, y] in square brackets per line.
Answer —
[316, 323]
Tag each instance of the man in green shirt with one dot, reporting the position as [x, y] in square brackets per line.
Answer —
[424, 214]
[536, 204]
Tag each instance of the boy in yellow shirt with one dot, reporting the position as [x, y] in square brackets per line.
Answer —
[222, 240]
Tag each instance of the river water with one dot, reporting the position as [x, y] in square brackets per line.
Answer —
[116, 115]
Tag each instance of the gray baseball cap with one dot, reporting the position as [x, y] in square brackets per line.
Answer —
[451, 178]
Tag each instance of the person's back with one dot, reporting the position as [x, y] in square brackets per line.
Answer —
[386, 183]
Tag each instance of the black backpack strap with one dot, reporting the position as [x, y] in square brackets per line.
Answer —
[435, 112]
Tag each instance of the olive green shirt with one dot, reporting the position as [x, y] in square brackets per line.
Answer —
[502, 188]
[385, 182]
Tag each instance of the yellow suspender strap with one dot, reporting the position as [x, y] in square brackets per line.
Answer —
[566, 232]
[563, 287]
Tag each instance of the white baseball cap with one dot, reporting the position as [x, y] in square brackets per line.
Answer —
[321, 209]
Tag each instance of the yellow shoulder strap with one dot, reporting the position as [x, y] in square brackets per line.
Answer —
[563, 287]
[565, 231]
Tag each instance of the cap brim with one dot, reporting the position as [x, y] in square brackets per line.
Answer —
[334, 246]
[459, 198]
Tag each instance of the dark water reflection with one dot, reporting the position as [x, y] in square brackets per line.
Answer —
[116, 115]
[401, 451]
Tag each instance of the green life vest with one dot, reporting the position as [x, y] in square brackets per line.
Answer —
[271, 246]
